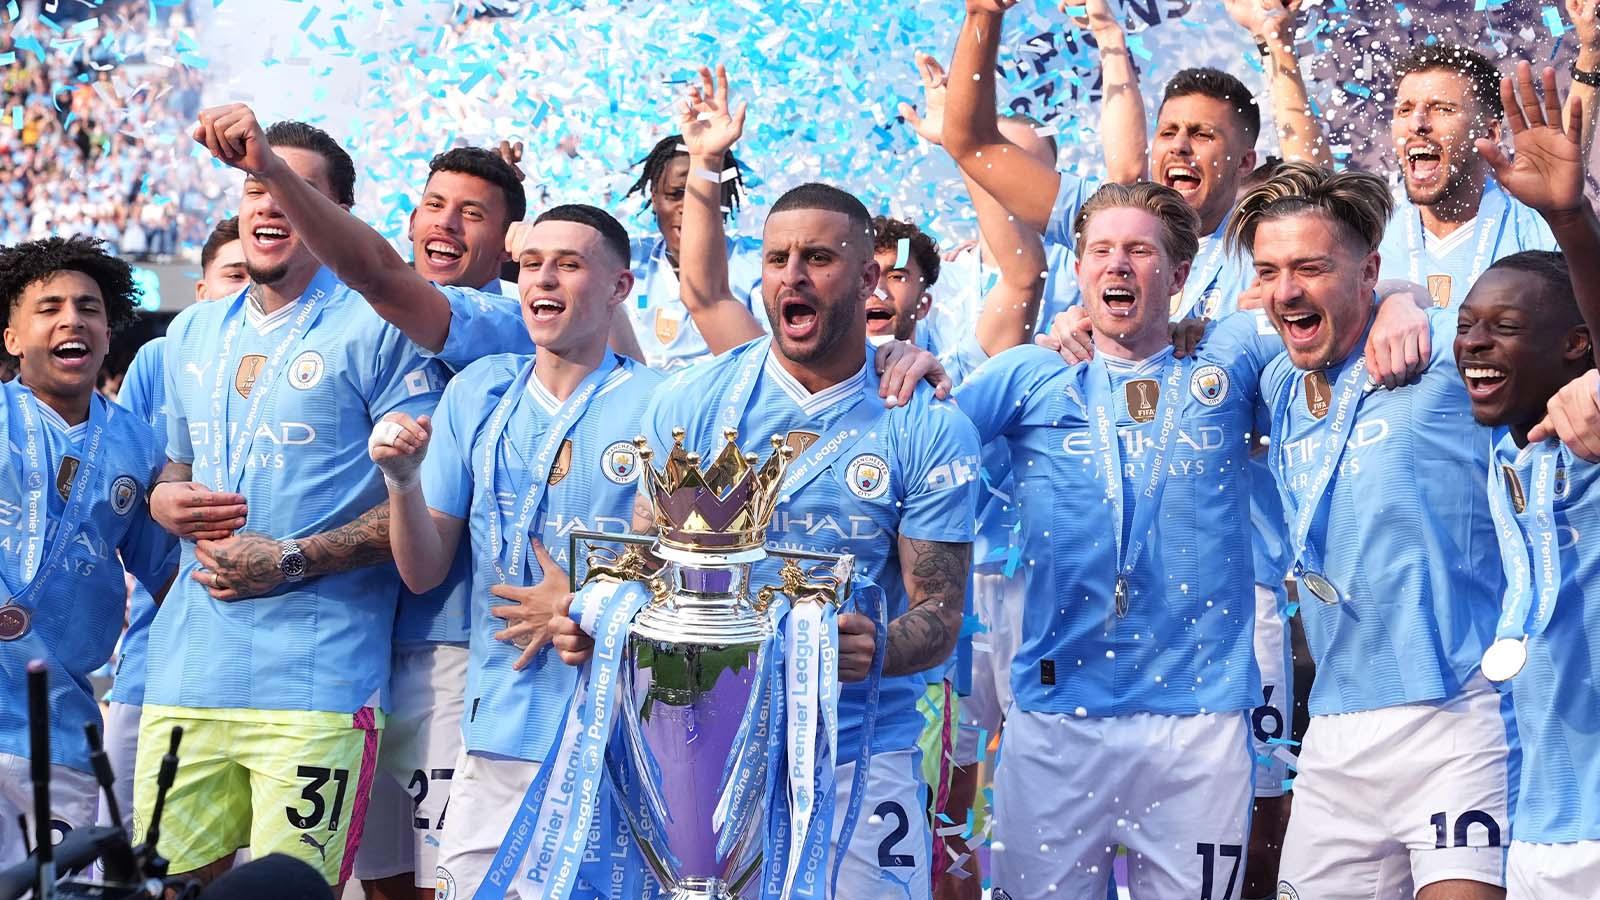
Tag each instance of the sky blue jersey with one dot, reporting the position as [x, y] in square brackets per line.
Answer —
[1184, 644]
[910, 472]
[1404, 532]
[297, 391]
[661, 323]
[1448, 266]
[74, 593]
[1556, 695]
[591, 486]
[144, 393]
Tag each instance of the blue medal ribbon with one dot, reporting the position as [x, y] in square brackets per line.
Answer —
[37, 568]
[1147, 505]
[1528, 536]
[1341, 422]
[1493, 213]
[1203, 274]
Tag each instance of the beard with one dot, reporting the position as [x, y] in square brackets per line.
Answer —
[271, 275]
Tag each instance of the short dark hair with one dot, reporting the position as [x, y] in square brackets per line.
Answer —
[341, 169]
[814, 195]
[24, 264]
[489, 166]
[1218, 85]
[613, 235]
[226, 232]
[1482, 77]
[1551, 269]
[1359, 201]
[887, 234]
[655, 168]
[1259, 175]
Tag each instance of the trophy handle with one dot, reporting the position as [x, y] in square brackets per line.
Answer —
[831, 586]
[606, 562]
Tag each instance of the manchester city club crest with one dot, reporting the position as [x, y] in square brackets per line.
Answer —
[1209, 385]
[305, 372]
[123, 492]
[868, 476]
[620, 462]
[444, 887]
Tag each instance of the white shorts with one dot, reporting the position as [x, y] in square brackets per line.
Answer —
[1388, 801]
[416, 760]
[73, 803]
[997, 601]
[1174, 790]
[1271, 720]
[488, 791]
[888, 854]
[122, 748]
[1553, 871]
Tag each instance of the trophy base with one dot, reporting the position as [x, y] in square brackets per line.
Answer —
[699, 889]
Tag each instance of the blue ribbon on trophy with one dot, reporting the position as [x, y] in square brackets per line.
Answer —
[708, 709]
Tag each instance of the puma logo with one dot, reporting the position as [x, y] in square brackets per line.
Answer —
[197, 370]
[322, 848]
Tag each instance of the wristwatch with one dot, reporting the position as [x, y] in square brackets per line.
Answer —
[291, 560]
[1591, 79]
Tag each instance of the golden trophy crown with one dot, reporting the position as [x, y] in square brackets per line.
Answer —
[723, 508]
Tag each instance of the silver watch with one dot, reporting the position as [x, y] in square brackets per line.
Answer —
[291, 560]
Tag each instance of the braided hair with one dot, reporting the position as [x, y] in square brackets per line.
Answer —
[655, 168]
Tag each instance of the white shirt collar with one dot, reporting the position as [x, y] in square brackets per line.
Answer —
[1443, 246]
[1149, 364]
[809, 403]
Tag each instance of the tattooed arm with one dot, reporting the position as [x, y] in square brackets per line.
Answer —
[935, 575]
[246, 565]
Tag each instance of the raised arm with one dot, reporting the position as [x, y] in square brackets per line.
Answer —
[1546, 173]
[1024, 185]
[1122, 121]
[423, 541]
[709, 129]
[360, 256]
[935, 575]
[1271, 24]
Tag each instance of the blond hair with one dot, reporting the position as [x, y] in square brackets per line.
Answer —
[1180, 224]
[1358, 201]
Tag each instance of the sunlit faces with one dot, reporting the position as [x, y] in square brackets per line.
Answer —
[60, 333]
[272, 251]
[1435, 121]
[666, 198]
[226, 274]
[817, 272]
[1127, 278]
[1317, 283]
[458, 231]
[901, 300]
[1200, 152]
[1515, 348]
[569, 281]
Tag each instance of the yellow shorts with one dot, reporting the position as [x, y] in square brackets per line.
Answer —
[939, 717]
[276, 781]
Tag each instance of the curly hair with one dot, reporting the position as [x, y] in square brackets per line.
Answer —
[887, 234]
[22, 265]
[1358, 201]
[655, 169]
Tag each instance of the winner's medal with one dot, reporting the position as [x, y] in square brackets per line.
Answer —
[1320, 587]
[1120, 596]
[14, 622]
[1504, 659]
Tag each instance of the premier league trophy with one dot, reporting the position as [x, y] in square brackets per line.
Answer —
[690, 677]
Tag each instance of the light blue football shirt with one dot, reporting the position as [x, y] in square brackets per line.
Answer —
[77, 609]
[1405, 533]
[1448, 266]
[912, 475]
[322, 643]
[517, 714]
[1185, 643]
[661, 322]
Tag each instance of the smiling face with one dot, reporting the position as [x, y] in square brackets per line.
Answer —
[666, 199]
[1515, 349]
[1317, 285]
[225, 276]
[901, 299]
[458, 232]
[1128, 279]
[1436, 119]
[272, 250]
[817, 273]
[1200, 152]
[569, 281]
[59, 332]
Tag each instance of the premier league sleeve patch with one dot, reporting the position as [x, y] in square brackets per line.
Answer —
[620, 462]
[868, 476]
[1209, 385]
[124, 491]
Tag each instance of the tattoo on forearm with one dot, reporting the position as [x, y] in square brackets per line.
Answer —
[363, 542]
[924, 636]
